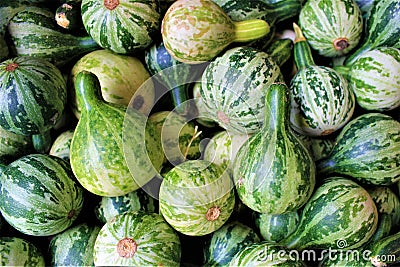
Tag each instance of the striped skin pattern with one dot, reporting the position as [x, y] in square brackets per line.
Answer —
[389, 245]
[234, 86]
[15, 251]
[176, 132]
[157, 242]
[62, 145]
[39, 195]
[120, 78]
[34, 33]
[265, 253]
[227, 241]
[367, 149]
[319, 148]
[196, 37]
[125, 26]
[223, 147]
[14, 145]
[109, 207]
[33, 95]
[386, 202]
[74, 246]
[273, 171]
[106, 159]
[378, 31]
[196, 197]
[323, 22]
[375, 79]
[339, 209]
[276, 227]
[202, 116]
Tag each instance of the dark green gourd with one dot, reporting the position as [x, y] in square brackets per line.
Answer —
[322, 101]
[339, 209]
[367, 149]
[106, 159]
[273, 171]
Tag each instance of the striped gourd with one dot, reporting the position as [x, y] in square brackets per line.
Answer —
[122, 26]
[196, 197]
[319, 148]
[321, 100]
[13, 146]
[123, 79]
[367, 149]
[273, 171]
[37, 91]
[223, 147]
[196, 37]
[378, 31]
[137, 239]
[332, 27]
[387, 202]
[375, 79]
[386, 251]
[234, 86]
[180, 138]
[202, 116]
[17, 251]
[33, 32]
[107, 156]
[275, 227]
[74, 246]
[340, 214]
[109, 207]
[39, 195]
[265, 253]
[62, 144]
[227, 241]
[346, 258]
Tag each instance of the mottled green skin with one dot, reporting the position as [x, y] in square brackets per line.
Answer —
[265, 253]
[15, 251]
[62, 144]
[375, 79]
[339, 210]
[109, 207]
[318, 147]
[157, 242]
[382, 28]
[276, 227]
[190, 190]
[389, 247]
[226, 242]
[176, 132]
[128, 28]
[234, 86]
[32, 97]
[323, 21]
[351, 258]
[14, 145]
[121, 79]
[367, 149]
[39, 196]
[108, 157]
[202, 116]
[33, 32]
[386, 202]
[8, 9]
[273, 171]
[74, 247]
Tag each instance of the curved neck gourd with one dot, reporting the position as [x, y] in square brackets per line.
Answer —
[302, 51]
[88, 90]
[250, 30]
[276, 104]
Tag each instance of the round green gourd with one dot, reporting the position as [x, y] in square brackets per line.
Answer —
[37, 91]
[339, 215]
[273, 171]
[234, 85]
[16, 251]
[225, 242]
[196, 37]
[196, 197]
[276, 227]
[202, 116]
[74, 247]
[14, 145]
[122, 26]
[367, 149]
[39, 195]
[332, 28]
[62, 144]
[120, 78]
[114, 150]
[137, 239]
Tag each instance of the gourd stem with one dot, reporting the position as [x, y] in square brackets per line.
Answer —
[276, 102]
[343, 70]
[302, 51]
[88, 90]
[250, 30]
[354, 56]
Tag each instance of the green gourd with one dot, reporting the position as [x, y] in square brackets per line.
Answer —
[274, 173]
